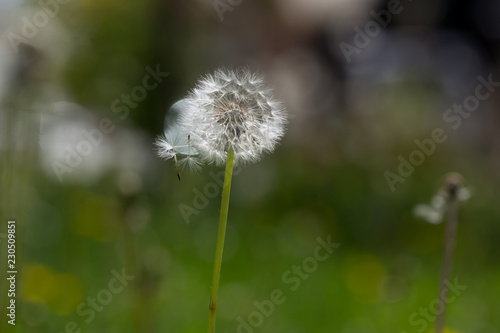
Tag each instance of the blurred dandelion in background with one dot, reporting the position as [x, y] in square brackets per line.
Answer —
[434, 212]
[229, 117]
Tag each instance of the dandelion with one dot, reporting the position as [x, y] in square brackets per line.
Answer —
[446, 201]
[231, 118]
[228, 110]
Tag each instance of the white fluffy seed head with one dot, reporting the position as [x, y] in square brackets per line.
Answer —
[229, 109]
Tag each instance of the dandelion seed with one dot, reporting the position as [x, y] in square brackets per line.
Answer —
[191, 162]
[428, 213]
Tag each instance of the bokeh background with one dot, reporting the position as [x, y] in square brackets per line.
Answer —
[122, 209]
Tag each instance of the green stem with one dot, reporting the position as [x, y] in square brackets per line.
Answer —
[224, 208]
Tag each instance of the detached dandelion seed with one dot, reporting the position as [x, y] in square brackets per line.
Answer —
[231, 118]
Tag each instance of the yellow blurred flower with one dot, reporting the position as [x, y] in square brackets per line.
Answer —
[363, 275]
[60, 292]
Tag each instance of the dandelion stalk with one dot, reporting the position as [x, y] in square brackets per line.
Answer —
[221, 234]
[452, 187]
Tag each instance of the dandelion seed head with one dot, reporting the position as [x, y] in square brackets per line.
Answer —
[229, 109]
[233, 109]
[453, 188]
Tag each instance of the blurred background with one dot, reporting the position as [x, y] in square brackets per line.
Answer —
[84, 89]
